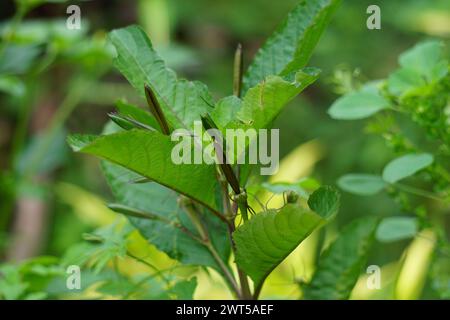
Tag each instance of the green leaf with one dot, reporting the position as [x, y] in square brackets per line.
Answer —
[361, 184]
[357, 105]
[164, 233]
[302, 187]
[267, 239]
[396, 228]
[149, 154]
[12, 85]
[291, 45]
[325, 201]
[182, 101]
[426, 59]
[263, 103]
[136, 113]
[342, 262]
[405, 81]
[184, 290]
[226, 110]
[19, 59]
[406, 166]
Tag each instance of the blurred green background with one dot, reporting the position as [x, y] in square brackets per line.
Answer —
[62, 81]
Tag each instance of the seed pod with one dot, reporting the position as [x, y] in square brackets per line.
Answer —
[156, 110]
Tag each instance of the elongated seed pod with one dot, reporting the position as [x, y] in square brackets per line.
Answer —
[156, 110]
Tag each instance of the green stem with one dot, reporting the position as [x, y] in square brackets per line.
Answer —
[194, 216]
[418, 192]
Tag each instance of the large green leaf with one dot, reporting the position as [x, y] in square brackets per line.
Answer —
[291, 45]
[262, 104]
[341, 264]
[182, 101]
[269, 237]
[164, 233]
[149, 154]
[406, 166]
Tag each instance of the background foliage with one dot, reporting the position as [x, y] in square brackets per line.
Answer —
[54, 81]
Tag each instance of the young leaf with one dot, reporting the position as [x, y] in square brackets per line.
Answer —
[406, 166]
[325, 201]
[361, 184]
[149, 154]
[357, 105]
[182, 101]
[397, 228]
[291, 45]
[263, 103]
[341, 263]
[269, 237]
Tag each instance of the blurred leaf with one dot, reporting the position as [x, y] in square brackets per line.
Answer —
[361, 184]
[148, 153]
[291, 45]
[440, 272]
[55, 156]
[269, 237]
[12, 85]
[109, 243]
[140, 64]
[404, 81]
[406, 166]
[18, 59]
[11, 285]
[357, 105]
[426, 59]
[422, 64]
[341, 263]
[416, 266]
[397, 228]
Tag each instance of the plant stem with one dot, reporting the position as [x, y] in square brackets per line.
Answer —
[195, 218]
[418, 192]
[245, 287]
[238, 71]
